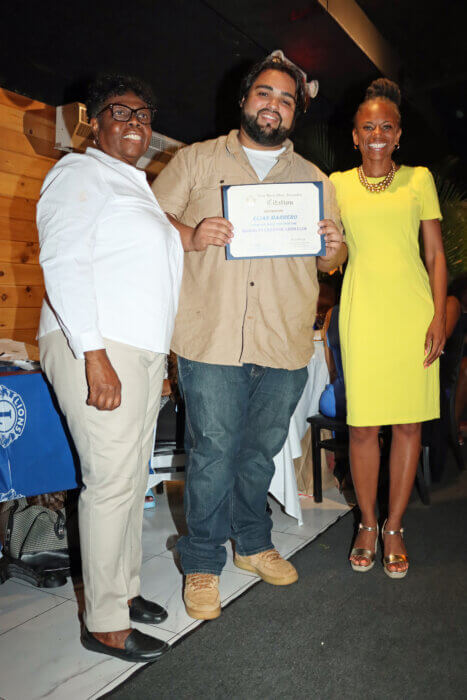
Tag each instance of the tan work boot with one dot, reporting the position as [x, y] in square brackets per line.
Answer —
[201, 596]
[270, 566]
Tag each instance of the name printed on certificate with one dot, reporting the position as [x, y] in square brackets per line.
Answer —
[274, 220]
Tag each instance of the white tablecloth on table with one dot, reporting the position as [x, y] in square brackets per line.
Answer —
[283, 485]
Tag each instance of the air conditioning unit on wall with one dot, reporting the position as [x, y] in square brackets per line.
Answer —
[73, 133]
[72, 129]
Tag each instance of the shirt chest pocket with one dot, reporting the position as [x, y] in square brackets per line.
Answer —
[205, 199]
[206, 195]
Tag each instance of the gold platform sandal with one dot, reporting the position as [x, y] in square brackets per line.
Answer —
[394, 558]
[367, 553]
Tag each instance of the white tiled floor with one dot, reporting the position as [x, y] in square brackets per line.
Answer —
[40, 652]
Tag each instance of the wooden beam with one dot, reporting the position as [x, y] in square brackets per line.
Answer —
[20, 143]
[35, 128]
[12, 99]
[356, 24]
[43, 120]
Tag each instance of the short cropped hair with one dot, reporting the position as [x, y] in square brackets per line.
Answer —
[283, 66]
[107, 86]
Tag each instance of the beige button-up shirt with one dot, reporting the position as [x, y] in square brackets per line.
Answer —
[232, 312]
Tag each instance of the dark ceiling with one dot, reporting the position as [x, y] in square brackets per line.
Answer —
[430, 37]
[193, 52]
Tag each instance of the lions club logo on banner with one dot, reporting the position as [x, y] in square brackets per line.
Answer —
[12, 416]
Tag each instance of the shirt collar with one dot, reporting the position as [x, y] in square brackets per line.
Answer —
[128, 169]
[234, 146]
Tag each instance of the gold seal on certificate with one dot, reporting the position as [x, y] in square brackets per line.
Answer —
[274, 220]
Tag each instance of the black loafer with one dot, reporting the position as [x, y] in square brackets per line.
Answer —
[138, 646]
[142, 610]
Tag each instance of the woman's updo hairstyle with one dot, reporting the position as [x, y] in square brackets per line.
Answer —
[382, 89]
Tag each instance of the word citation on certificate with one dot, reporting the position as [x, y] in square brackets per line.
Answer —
[274, 220]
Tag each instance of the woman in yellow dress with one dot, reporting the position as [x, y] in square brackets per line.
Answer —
[392, 318]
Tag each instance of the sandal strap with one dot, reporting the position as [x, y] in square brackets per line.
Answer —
[394, 532]
[367, 528]
[396, 559]
[359, 552]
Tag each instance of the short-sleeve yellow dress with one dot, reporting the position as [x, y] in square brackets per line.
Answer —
[387, 304]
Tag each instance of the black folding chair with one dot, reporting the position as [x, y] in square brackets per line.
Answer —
[338, 444]
[170, 435]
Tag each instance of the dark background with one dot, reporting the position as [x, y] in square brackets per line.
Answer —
[193, 53]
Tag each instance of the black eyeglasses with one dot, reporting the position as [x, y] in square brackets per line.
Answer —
[122, 113]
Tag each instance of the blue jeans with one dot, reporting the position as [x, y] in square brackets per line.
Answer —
[237, 420]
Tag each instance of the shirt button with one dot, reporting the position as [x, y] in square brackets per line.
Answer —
[252, 284]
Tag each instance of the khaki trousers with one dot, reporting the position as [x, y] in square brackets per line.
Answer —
[114, 448]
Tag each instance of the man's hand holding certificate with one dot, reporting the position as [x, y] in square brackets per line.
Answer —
[274, 220]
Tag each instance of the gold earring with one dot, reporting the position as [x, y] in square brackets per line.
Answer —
[355, 146]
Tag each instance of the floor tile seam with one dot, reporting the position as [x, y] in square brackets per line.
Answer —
[242, 589]
[151, 557]
[293, 534]
[155, 628]
[45, 591]
[323, 527]
[25, 622]
[290, 534]
[191, 626]
[237, 570]
[244, 583]
[311, 539]
[276, 529]
[129, 670]
[166, 553]
[159, 552]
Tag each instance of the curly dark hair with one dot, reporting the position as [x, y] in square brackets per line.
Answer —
[106, 86]
[383, 89]
[283, 66]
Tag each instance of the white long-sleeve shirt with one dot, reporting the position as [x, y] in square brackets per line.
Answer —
[112, 261]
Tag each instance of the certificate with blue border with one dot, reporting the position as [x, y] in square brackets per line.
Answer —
[274, 220]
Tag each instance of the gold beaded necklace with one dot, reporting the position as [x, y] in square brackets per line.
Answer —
[377, 186]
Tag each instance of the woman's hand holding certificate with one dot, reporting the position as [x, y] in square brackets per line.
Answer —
[333, 237]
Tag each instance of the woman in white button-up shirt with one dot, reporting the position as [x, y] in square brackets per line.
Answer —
[112, 265]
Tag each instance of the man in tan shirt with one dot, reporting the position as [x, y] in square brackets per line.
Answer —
[243, 334]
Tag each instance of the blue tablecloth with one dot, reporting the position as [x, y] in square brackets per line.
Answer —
[35, 453]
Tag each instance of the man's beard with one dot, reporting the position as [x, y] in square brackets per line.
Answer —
[264, 135]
